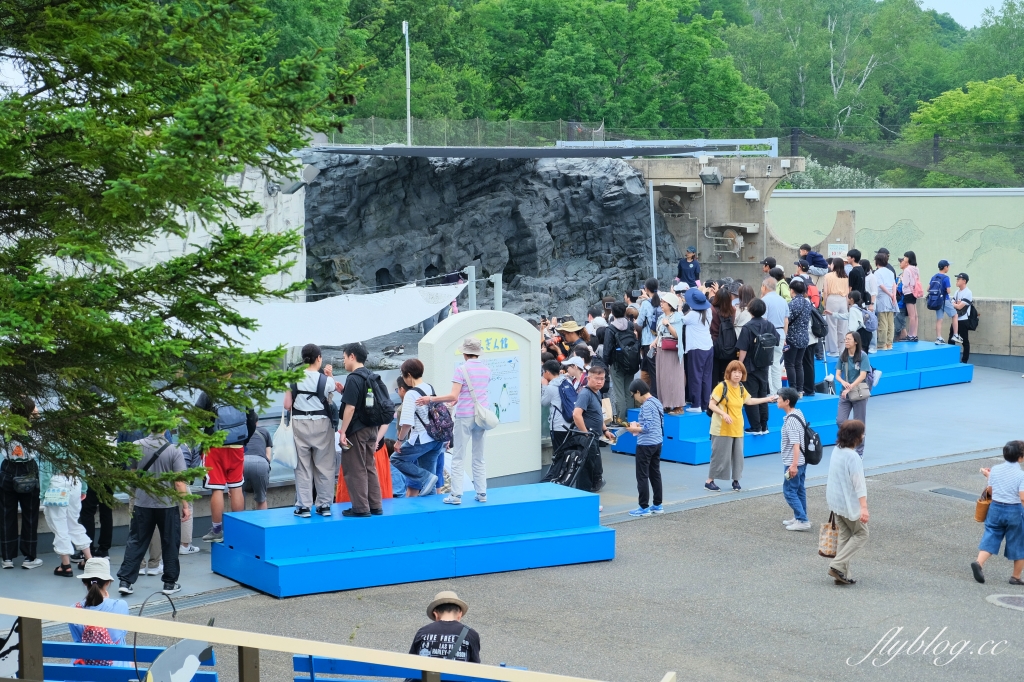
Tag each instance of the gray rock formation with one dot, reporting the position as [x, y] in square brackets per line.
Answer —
[563, 232]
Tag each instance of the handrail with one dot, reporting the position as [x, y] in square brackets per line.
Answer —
[253, 640]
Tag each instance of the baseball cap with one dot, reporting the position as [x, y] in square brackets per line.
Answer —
[680, 286]
[574, 360]
[691, 249]
[802, 263]
[883, 250]
[964, 276]
[770, 262]
[943, 264]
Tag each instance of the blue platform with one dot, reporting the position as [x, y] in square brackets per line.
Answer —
[908, 367]
[415, 539]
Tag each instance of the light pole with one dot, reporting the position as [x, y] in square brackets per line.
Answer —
[408, 87]
[654, 243]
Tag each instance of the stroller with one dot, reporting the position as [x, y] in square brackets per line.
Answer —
[569, 459]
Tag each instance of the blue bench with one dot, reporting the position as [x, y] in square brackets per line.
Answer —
[335, 666]
[107, 652]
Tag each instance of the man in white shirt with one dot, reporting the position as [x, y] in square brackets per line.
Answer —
[963, 299]
[778, 314]
[310, 403]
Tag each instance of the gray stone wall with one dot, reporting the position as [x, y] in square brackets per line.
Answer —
[564, 232]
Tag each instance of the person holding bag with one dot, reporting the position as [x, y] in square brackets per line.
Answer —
[852, 372]
[472, 419]
[1003, 521]
[847, 495]
[19, 487]
[62, 497]
[668, 362]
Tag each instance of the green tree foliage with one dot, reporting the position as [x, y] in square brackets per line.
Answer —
[131, 115]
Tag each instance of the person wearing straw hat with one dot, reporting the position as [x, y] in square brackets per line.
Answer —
[572, 335]
[446, 636]
[97, 581]
[471, 377]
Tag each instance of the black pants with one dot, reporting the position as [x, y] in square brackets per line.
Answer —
[648, 468]
[144, 522]
[90, 505]
[757, 387]
[718, 371]
[10, 501]
[809, 357]
[865, 338]
[647, 366]
[794, 359]
[592, 471]
[964, 334]
[557, 439]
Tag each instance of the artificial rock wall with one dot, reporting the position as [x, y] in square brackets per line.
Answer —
[564, 232]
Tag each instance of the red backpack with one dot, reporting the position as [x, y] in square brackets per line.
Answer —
[94, 635]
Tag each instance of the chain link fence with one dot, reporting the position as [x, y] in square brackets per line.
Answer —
[474, 132]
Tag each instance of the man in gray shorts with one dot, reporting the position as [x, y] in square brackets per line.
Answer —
[257, 465]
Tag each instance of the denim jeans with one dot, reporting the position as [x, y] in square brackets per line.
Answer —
[795, 493]
[417, 463]
[1004, 523]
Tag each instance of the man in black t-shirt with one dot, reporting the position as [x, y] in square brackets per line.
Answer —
[757, 377]
[438, 639]
[589, 416]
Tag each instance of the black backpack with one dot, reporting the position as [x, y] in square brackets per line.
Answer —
[818, 326]
[812, 442]
[972, 316]
[725, 398]
[383, 409]
[725, 344]
[329, 409]
[626, 355]
[764, 349]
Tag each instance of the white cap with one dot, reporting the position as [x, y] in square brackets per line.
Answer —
[574, 360]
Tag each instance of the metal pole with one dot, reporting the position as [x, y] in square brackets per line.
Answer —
[30, 648]
[408, 87]
[496, 281]
[471, 273]
[654, 245]
[248, 664]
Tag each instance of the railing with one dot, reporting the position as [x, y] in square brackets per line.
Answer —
[32, 615]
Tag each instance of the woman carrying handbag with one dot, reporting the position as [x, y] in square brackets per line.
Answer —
[1003, 521]
[852, 372]
[668, 361]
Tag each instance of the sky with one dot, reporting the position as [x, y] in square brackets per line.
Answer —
[966, 12]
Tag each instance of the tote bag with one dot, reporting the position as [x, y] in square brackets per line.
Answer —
[828, 539]
[483, 417]
[284, 445]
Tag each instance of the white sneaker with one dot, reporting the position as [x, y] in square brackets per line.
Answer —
[481, 497]
[940, 342]
[798, 525]
[190, 549]
[35, 563]
[159, 570]
[788, 522]
[453, 499]
[8, 563]
[694, 410]
[957, 339]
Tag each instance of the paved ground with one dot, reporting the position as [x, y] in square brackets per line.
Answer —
[716, 593]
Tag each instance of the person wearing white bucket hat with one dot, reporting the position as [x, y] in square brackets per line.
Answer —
[471, 377]
[447, 637]
[97, 580]
[669, 359]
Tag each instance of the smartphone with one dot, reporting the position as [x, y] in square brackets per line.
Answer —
[636, 293]
[608, 305]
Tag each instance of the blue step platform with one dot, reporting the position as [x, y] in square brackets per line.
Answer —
[908, 367]
[417, 538]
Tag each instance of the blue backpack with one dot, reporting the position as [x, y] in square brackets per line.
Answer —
[232, 420]
[936, 293]
[567, 396]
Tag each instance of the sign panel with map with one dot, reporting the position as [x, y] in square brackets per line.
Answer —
[503, 392]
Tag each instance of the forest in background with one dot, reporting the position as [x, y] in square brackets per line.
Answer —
[877, 92]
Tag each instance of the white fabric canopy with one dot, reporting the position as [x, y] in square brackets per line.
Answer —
[337, 320]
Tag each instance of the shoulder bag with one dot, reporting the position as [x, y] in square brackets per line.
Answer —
[861, 391]
[483, 417]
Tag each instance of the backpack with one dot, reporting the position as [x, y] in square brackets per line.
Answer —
[439, 424]
[813, 295]
[652, 324]
[383, 409]
[973, 318]
[626, 354]
[812, 442]
[232, 420]
[567, 396]
[321, 395]
[936, 294]
[725, 397]
[764, 349]
[819, 327]
[725, 344]
[870, 320]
